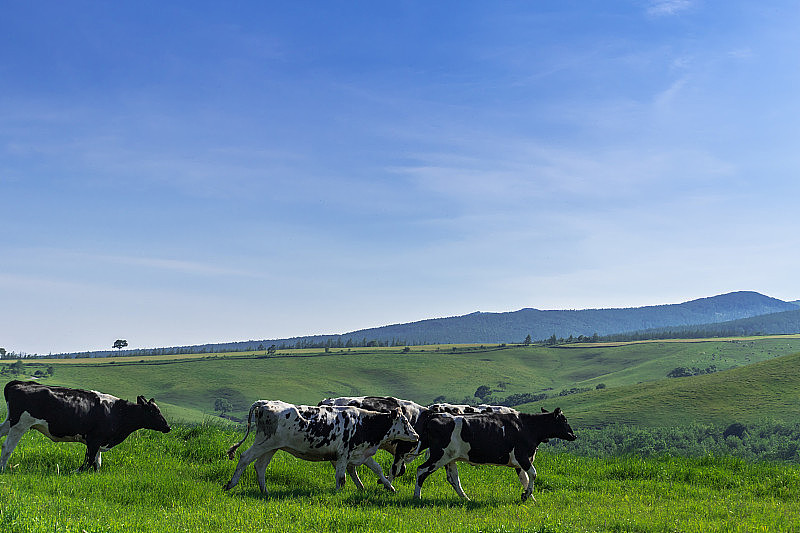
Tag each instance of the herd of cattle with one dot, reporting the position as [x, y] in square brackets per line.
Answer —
[346, 431]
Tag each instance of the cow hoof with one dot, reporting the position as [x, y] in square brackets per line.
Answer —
[526, 497]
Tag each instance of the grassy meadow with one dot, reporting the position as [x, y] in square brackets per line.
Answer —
[764, 391]
[186, 387]
[155, 482]
[173, 482]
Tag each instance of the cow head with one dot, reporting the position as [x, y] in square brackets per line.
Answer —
[560, 428]
[401, 428]
[151, 415]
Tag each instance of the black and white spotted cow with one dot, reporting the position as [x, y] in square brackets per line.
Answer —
[406, 454]
[403, 451]
[346, 436]
[463, 409]
[494, 438]
[411, 409]
[98, 420]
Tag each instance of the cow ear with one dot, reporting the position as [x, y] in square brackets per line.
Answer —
[152, 401]
[545, 410]
[557, 411]
[140, 400]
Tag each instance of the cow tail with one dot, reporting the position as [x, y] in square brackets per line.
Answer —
[232, 449]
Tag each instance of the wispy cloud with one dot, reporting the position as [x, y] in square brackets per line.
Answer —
[179, 266]
[664, 8]
[666, 97]
[744, 52]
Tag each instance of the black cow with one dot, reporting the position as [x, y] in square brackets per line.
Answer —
[496, 438]
[98, 420]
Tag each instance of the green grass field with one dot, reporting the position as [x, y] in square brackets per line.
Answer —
[186, 387]
[765, 391]
[154, 483]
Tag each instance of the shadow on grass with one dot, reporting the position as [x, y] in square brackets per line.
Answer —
[365, 498]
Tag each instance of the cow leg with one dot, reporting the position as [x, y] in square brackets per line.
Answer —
[253, 452]
[341, 472]
[98, 461]
[351, 469]
[526, 467]
[522, 474]
[14, 435]
[434, 461]
[91, 459]
[523, 477]
[261, 468]
[454, 480]
[397, 469]
[373, 465]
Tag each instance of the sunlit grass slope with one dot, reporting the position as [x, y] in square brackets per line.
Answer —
[186, 388]
[155, 482]
[765, 391]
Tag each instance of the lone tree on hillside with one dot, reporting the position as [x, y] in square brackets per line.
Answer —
[119, 344]
[18, 367]
[527, 341]
[223, 405]
[483, 391]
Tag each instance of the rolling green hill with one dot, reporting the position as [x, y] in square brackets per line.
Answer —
[768, 391]
[633, 373]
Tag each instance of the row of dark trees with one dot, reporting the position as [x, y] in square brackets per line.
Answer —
[553, 340]
[18, 367]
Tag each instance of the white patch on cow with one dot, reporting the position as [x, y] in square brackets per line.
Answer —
[106, 399]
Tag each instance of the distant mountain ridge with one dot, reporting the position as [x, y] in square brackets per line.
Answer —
[782, 323]
[516, 325]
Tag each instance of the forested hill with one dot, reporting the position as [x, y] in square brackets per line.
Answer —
[515, 326]
[772, 324]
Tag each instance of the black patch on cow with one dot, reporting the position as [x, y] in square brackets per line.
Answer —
[318, 426]
[491, 438]
[379, 403]
[267, 422]
[371, 430]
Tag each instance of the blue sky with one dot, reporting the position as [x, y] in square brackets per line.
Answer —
[196, 172]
